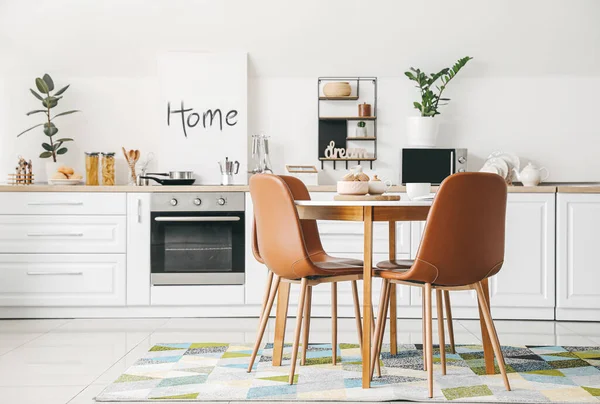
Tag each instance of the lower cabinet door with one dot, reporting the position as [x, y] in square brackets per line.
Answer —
[62, 279]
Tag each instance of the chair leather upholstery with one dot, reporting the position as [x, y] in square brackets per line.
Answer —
[281, 241]
[463, 241]
[395, 264]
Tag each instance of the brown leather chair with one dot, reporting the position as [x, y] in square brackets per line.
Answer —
[317, 254]
[462, 245]
[283, 248]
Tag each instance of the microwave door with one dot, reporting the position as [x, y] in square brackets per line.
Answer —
[427, 165]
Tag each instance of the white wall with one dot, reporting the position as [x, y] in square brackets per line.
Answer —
[532, 87]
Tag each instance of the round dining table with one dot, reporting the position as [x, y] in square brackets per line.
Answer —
[367, 212]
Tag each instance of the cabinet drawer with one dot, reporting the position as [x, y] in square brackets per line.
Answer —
[62, 203]
[348, 237]
[62, 279]
[62, 234]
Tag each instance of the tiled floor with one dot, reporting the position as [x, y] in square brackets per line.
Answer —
[71, 361]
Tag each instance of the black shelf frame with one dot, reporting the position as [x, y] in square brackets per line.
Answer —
[346, 119]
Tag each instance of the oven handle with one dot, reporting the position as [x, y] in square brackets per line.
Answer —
[197, 218]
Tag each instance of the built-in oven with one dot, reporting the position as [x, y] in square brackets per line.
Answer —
[197, 238]
[431, 164]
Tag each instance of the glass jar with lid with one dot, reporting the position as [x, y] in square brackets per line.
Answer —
[91, 168]
[108, 168]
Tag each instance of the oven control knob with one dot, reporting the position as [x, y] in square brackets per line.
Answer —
[221, 201]
[462, 159]
[173, 202]
[461, 170]
[197, 202]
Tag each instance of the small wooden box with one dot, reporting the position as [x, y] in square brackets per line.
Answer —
[307, 174]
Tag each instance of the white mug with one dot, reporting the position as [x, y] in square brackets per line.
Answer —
[417, 189]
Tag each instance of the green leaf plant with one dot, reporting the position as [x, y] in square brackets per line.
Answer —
[430, 99]
[45, 87]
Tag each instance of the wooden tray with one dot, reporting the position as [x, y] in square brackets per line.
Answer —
[366, 198]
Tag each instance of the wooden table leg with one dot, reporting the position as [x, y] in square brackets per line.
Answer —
[283, 300]
[367, 289]
[393, 305]
[488, 349]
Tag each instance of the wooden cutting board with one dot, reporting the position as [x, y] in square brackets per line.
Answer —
[366, 198]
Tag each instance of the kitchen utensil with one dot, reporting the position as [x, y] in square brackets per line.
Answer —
[176, 175]
[132, 157]
[352, 187]
[227, 171]
[170, 181]
[531, 176]
[261, 162]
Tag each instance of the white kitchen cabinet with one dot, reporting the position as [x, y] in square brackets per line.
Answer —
[62, 279]
[524, 287]
[577, 274]
[62, 234]
[138, 249]
[62, 203]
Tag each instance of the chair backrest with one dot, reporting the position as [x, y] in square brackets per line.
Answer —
[279, 234]
[312, 240]
[463, 241]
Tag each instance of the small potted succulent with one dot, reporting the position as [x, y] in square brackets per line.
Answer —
[361, 129]
[53, 147]
[422, 130]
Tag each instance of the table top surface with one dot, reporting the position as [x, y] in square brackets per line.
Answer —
[363, 203]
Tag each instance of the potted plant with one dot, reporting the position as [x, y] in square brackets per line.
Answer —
[361, 129]
[422, 130]
[53, 147]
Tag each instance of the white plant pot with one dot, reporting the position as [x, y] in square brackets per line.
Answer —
[361, 132]
[422, 131]
[51, 168]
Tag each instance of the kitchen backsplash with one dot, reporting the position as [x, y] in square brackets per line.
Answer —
[558, 130]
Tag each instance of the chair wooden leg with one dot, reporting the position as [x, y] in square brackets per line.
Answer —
[449, 320]
[393, 320]
[303, 289]
[263, 321]
[428, 337]
[379, 326]
[424, 328]
[334, 323]
[283, 301]
[306, 325]
[373, 337]
[266, 295]
[386, 306]
[357, 313]
[440, 316]
[489, 323]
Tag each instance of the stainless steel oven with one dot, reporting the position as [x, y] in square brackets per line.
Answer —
[197, 238]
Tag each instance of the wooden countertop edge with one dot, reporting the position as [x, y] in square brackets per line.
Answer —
[578, 190]
[245, 188]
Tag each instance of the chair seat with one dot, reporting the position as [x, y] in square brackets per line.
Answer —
[324, 257]
[395, 265]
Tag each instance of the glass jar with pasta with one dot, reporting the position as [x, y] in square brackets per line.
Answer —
[91, 168]
[108, 168]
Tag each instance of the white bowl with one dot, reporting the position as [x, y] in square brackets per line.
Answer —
[353, 187]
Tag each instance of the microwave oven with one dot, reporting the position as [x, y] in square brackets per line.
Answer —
[432, 165]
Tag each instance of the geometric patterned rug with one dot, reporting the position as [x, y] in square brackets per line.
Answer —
[217, 372]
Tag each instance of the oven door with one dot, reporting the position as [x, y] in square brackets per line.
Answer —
[427, 165]
[197, 248]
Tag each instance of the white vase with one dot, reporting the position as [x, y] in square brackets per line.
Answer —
[51, 168]
[422, 131]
